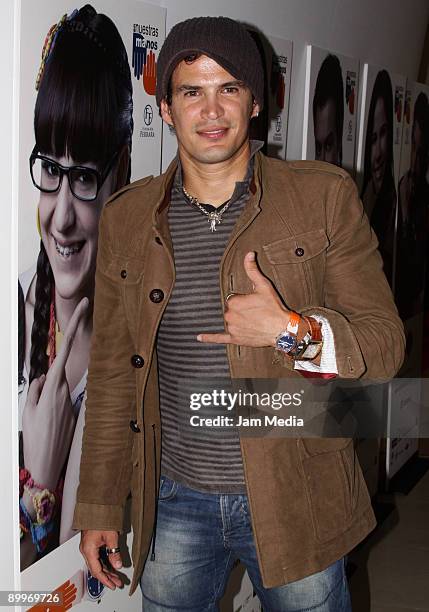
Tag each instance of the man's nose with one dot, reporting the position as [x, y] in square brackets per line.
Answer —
[64, 215]
[212, 108]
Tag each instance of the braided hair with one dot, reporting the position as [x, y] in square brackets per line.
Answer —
[40, 328]
[84, 110]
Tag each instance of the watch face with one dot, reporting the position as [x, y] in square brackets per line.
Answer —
[94, 587]
[286, 342]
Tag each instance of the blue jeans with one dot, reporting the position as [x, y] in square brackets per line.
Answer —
[198, 538]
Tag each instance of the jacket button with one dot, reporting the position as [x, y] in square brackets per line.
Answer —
[156, 295]
[134, 426]
[158, 240]
[299, 252]
[137, 361]
[123, 273]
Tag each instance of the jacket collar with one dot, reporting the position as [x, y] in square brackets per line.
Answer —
[167, 178]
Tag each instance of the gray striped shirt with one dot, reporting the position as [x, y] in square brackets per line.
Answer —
[206, 459]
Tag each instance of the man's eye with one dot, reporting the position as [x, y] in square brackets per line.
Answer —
[191, 93]
[230, 89]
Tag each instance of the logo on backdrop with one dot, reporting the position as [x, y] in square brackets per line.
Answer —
[145, 44]
[148, 114]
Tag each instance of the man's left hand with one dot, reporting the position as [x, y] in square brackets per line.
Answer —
[254, 319]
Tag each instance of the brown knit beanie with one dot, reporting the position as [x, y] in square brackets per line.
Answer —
[225, 40]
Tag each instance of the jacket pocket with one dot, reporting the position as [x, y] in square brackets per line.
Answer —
[330, 472]
[315, 446]
[127, 273]
[299, 266]
[124, 269]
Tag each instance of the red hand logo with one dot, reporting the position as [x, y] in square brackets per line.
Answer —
[67, 593]
[149, 74]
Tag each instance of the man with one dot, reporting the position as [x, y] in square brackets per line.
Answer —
[181, 297]
[328, 112]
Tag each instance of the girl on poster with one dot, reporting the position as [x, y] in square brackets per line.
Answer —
[83, 128]
[378, 192]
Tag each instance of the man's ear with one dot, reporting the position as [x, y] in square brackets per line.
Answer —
[166, 112]
[255, 109]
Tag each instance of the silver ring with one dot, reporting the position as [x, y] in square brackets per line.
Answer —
[229, 296]
[112, 551]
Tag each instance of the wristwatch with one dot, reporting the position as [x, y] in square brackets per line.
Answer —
[312, 343]
[286, 341]
[308, 347]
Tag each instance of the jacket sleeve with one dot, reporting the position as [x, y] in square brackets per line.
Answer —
[106, 465]
[358, 303]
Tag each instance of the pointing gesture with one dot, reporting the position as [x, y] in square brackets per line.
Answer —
[48, 420]
[254, 319]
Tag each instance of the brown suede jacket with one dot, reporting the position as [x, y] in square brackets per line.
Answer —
[308, 499]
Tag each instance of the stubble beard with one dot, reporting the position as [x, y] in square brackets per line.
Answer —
[215, 155]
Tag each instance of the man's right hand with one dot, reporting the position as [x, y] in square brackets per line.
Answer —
[91, 542]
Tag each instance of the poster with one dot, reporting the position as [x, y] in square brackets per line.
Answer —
[330, 108]
[89, 127]
[379, 154]
[272, 123]
[413, 195]
[411, 266]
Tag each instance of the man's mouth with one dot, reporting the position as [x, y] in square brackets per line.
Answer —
[67, 250]
[213, 133]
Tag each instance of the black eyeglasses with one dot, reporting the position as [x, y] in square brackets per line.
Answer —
[85, 183]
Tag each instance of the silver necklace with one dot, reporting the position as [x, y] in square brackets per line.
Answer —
[213, 217]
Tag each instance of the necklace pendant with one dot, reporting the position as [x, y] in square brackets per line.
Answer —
[212, 224]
